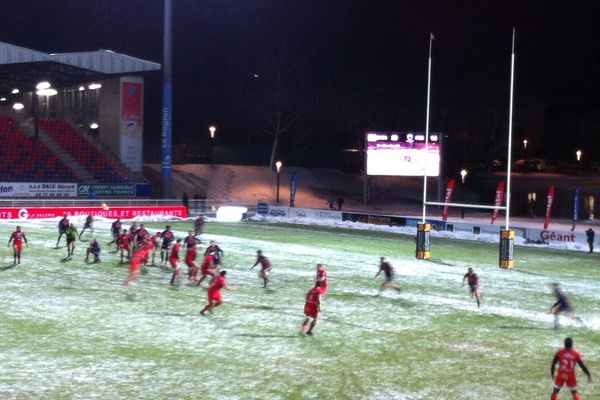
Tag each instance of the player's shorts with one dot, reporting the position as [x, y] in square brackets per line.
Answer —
[215, 295]
[124, 246]
[564, 307]
[87, 226]
[115, 233]
[18, 246]
[567, 378]
[173, 261]
[311, 310]
[206, 270]
[473, 288]
[62, 230]
[134, 265]
[165, 245]
[70, 240]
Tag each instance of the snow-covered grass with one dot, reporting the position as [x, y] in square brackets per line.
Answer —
[71, 330]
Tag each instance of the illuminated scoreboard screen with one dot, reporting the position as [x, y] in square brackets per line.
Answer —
[402, 154]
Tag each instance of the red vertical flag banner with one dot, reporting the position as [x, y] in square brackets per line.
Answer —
[448, 199]
[549, 206]
[498, 200]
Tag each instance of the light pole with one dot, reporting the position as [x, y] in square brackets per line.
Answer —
[525, 149]
[578, 155]
[212, 129]
[278, 165]
[463, 174]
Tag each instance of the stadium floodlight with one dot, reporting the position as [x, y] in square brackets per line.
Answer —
[93, 86]
[15, 91]
[81, 88]
[94, 125]
[18, 106]
[2, 98]
[212, 129]
[47, 92]
[43, 85]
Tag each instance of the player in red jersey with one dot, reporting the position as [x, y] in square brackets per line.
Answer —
[312, 307]
[174, 261]
[190, 261]
[567, 358]
[124, 242]
[321, 279]
[473, 282]
[215, 297]
[390, 275]
[156, 242]
[208, 268]
[17, 238]
[265, 267]
[137, 258]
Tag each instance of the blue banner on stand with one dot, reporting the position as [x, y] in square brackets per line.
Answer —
[576, 206]
[293, 186]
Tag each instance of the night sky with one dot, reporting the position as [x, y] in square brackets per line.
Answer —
[345, 67]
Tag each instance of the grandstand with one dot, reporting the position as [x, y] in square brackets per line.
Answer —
[50, 103]
[25, 159]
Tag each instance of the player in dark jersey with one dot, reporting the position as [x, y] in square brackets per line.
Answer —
[72, 235]
[562, 305]
[199, 225]
[167, 237]
[17, 238]
[89, 224]
[213, 247]
[93, 249]
[215, 297]
[312, 307]
[390, 275]
[115, 230]
[265, 267]
[140, 236]
[63, 225]
[566, 359]
[191, 240]
[473, 282]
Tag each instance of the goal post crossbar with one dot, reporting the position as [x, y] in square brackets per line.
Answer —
[480, 206]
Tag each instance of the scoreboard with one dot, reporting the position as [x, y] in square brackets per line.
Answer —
[402, 154]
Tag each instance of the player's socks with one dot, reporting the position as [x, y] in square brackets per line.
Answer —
[554, 396]
[576, 396]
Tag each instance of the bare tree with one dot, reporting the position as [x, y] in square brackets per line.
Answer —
[280, 108]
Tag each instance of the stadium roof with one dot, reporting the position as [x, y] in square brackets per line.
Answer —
[23, 68]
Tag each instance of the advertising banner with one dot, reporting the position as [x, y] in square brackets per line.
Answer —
[549, 206]
[106, 212]
[131, 123]
[99, 190]
[448, 198]
[575, 208]
[38, 189]
[498, 200]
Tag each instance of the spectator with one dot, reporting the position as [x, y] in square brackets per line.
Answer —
[185, 200]
[330, 202]
[590, 238]
[340, 203]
